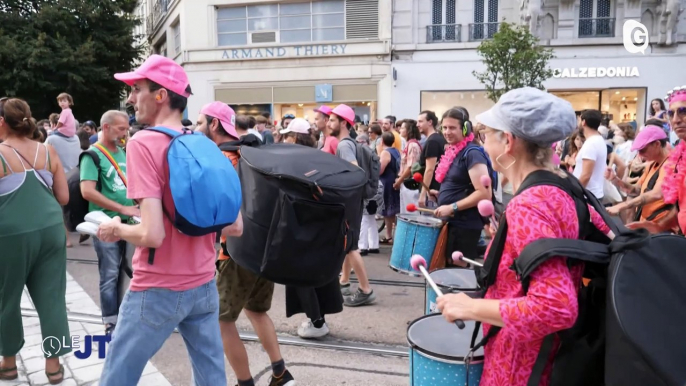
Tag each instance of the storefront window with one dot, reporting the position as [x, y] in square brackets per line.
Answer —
[475, 102]
[617, 105]
[314, 21]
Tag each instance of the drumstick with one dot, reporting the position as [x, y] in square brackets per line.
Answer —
[419, 178]
[485, 207]
[458, 256]
[413, 208]
[419, 264]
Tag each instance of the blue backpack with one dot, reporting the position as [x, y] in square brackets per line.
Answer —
[204, 184]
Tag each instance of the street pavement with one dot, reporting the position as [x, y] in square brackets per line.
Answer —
[383, 325]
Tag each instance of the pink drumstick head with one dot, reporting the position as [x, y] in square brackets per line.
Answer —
[486, 208]
[416, 261]
[411, 207]
[457, 256]
[485, 181]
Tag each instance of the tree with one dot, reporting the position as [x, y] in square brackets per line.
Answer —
[74, 46]
[513, 59]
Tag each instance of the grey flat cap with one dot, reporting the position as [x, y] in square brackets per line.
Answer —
[531, 114]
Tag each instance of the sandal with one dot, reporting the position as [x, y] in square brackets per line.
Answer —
[5, 377]
[55, 381]
[386, 241]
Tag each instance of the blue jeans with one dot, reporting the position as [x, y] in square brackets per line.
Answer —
[147, 318]
[110, 256]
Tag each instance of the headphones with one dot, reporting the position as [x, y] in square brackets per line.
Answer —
[466, 123]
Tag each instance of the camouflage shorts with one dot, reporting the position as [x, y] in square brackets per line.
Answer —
[240, 288]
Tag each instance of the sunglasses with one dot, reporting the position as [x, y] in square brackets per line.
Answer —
[289, 116]
[679, 111]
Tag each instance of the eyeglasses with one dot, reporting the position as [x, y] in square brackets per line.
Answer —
[680, 111]
[289, 116]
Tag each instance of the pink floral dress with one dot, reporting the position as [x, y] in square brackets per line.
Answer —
[551, 303]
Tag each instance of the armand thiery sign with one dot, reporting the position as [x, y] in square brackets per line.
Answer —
[596, 72]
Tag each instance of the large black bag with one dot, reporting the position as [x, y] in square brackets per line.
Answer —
[301, 208]
[629, 331]
[77, 207]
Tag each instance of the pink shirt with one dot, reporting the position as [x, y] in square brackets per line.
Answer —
[68, 123]
[330, 144]
[551, 303]
[182, 262]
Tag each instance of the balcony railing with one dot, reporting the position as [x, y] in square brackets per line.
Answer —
[602, 27]
[441, 33]
[159, 10]
[482, 31]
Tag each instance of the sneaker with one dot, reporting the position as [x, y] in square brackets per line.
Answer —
[307, 330]
[285, 380]
[109, 328]
[374, 251]
[364, 252]
[359, 298]
[345, 289]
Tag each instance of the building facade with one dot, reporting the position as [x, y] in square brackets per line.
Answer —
[435, 41]
[279, 57]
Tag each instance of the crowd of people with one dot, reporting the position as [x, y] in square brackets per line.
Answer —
[637, 173]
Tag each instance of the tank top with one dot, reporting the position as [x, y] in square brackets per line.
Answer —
[30, 206]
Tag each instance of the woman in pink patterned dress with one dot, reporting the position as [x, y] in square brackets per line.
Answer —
[519, 132]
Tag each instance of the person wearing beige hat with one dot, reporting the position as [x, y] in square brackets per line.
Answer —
[299, 131]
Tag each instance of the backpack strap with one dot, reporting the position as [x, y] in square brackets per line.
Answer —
[96, 161]
[173, 134]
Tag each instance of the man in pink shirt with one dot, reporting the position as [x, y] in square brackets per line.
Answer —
[179, 289]
[330, 143]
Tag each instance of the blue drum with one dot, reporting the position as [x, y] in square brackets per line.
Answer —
[438, 350]
[414, 234]
[450, 280]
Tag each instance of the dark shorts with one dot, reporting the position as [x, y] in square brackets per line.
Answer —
[240, 288]
[464, 240]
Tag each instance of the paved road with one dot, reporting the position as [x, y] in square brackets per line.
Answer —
[384, 323]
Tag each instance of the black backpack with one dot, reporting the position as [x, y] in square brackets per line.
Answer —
[77, 207]
[370, 163]
[629, 330]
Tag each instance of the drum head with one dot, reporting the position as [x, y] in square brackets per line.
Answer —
[455, 279]
[434, 336]
[421, 220]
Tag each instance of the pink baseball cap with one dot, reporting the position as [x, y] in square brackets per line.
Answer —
[345, 112]
[298, 125]
[648, 135]
[324, 109]
[224, 114]
[163, 71]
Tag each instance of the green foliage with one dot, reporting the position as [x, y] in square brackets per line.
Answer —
[513, 60]
[75, 46]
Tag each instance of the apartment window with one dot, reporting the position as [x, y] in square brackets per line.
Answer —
[595, 18]
[443, 12]
[176, 31]
[314, 21]
[443, 27]
[485, 19]
[161, 48]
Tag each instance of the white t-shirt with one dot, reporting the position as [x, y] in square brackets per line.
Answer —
[593, 149]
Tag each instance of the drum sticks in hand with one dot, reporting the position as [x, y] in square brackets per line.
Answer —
[419, 264]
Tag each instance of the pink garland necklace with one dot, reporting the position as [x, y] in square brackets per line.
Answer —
[675, 174]
[449, 156]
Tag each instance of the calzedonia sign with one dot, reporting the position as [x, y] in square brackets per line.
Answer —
[596, 72]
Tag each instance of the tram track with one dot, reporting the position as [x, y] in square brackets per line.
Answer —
[287, 340]
[383, 282]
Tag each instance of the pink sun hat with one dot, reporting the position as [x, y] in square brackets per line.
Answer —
[324, 109]
[648, 135]
[345, 112]
[224, 114]
[163, 71]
